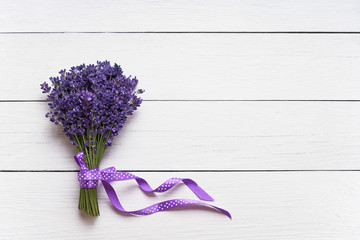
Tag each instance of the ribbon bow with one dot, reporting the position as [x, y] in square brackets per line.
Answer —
[89, 179]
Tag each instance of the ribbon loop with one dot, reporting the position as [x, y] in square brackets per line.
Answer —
[89, 179]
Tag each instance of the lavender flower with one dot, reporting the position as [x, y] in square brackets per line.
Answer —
[92, 104]
[45, 87]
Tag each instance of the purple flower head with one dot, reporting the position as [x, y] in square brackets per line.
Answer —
[109, 142]
[86, 97]
[92, 102]
[45, 87]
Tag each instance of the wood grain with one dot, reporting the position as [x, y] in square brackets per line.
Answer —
[301, 205]
[200, 62]
[214, 15]
[196, 136]
[192, 67]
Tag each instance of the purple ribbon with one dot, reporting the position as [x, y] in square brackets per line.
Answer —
[89, 179]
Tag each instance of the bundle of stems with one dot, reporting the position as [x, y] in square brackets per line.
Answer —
[93, 146]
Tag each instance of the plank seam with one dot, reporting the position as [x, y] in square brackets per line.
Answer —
[213, 100]
[231, 171]
[188, 32]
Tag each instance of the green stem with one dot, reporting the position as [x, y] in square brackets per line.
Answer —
[88, 202]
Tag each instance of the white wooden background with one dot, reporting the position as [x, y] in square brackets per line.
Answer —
[256, 100]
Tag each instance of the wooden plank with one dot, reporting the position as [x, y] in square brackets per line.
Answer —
[214, 15]
[194, 67]
[196, 135]
[298, 205]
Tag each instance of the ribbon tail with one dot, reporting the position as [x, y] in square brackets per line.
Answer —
[197, 190]
[158, 207]
[170, 183]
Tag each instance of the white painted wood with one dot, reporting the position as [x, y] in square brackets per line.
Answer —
[191, 135]
[296, 205]
[172, 66]
[214, 15]
[196, 135]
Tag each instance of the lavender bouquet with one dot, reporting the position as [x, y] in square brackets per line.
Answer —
[91, 103]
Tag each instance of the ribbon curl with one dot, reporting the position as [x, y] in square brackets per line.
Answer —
[89, 179]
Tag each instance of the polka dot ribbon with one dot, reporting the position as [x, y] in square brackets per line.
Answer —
[89, 179]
